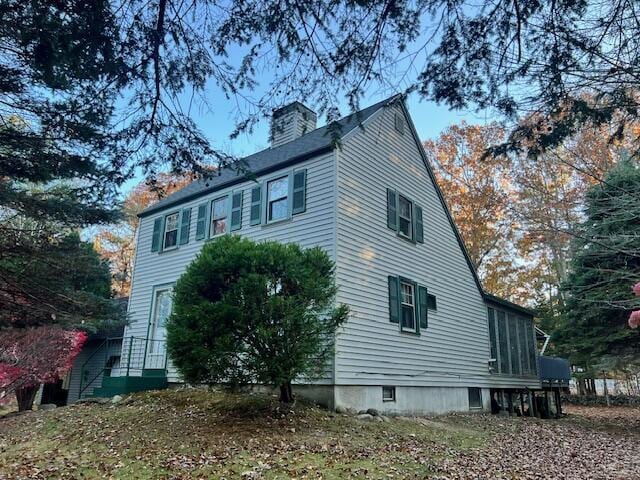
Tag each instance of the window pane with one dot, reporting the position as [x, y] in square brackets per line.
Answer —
[405, 208]
[171, 239]
[408, 319]
[219, 209]
[278, 188]
[503, 342]
[405, 227]
[493, 366]
[407, 293]
[475, 397]
[524, 354]
[219, 227]
[278, 209]
[513, 344]
[171, 222]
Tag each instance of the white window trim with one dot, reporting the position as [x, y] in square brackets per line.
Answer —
[412, 305]
[267, 202]
[393, 394]
[227, 217]
[410, 219]
[164, 232]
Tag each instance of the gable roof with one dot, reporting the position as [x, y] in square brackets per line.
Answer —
[312, 144]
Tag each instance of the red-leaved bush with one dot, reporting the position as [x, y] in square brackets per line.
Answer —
[634, 318]
[32, 356]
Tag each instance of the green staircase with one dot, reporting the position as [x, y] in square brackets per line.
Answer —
[142, 366]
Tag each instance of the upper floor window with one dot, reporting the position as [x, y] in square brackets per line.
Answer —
[219, 214]
[278, 199]
[170, 231]
[405, 211]
[405, 217]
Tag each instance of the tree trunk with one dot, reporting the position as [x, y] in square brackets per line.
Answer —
[25, 397]
[606, 389]
[286, 393]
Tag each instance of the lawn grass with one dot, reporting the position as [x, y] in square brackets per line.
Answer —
[201, 434]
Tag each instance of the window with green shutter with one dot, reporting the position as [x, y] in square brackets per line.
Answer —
[408, 304]
[392, 209]
[156, 238]
[299, 201]
[256, 206]
[423, 303]
[201, 222]
[185, 226]
[404, 217]
[236, 211]
[394, 299]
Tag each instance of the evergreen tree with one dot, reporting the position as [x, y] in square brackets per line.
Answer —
[604, 267]
[247, 312]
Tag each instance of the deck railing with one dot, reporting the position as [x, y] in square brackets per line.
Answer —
[134, 357]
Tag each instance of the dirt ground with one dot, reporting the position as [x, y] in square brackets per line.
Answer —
[196, 434]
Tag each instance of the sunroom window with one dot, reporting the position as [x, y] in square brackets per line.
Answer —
[408, 306]
[219, 212]
[278, 199]
[404, 216]
[171, 231]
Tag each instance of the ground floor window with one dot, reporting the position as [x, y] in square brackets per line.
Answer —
[388, 394]
[162, 304]
[475, 397]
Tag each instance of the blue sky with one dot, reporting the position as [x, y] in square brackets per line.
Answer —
[430, 120]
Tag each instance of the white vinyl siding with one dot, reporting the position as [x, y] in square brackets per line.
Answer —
[371, 350]
[313, 227]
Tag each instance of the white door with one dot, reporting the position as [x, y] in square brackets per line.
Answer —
[156, 343]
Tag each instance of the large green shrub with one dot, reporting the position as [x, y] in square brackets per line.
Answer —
[247, 312]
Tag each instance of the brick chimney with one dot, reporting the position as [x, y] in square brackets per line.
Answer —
[290, 122]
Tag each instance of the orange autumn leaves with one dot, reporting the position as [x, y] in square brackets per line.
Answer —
[517, 214]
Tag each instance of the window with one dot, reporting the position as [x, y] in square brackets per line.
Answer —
[475, 397]
[512, 343]
[219, 213]
[404, 217]
[399, 123]
[388, 394]
[493, 361]
[278, 199]
[504, 343]
[405, 211]
[170, 231]
[408, 306]
[162, 305]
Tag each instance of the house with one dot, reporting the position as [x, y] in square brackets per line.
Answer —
[422, 337]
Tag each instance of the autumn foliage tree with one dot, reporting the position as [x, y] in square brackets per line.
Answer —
[30, 357]
[115, 243]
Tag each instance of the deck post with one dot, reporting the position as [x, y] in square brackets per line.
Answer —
[521, 403]
[531, 408]
[129, 354]
[510, 402]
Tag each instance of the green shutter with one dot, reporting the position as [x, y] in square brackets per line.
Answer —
[299, 191]
[419, 227]
[157, 234]
[392, 209]
[423, 306]
[201, 223]
[256, 205]
[394, 300]
[185, 225]
[236, 211]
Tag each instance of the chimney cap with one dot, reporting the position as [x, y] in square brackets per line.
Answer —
[300, 107]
